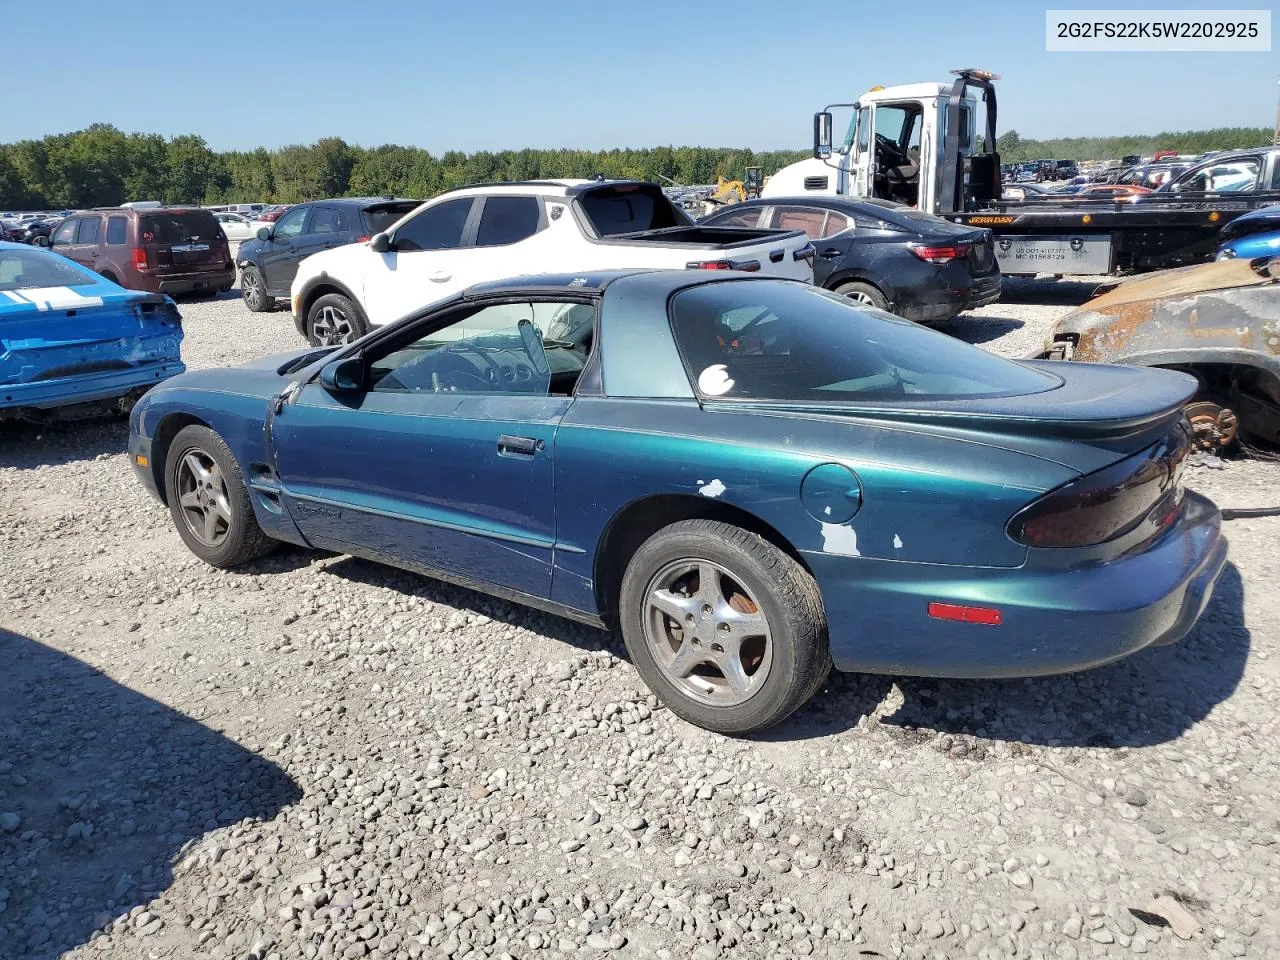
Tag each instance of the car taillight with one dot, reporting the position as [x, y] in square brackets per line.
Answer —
[139, 258]
[363, 239]
[1145, 488]
[931, 254]
[750, 266]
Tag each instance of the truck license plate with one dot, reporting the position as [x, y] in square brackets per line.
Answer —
[1067, 255]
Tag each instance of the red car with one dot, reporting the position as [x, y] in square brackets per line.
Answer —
[272, 215]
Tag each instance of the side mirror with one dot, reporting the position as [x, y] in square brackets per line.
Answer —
[822, 135]
[343, 376]
[380, 243]
[264, 233]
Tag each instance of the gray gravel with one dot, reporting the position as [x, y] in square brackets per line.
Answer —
[321, 758]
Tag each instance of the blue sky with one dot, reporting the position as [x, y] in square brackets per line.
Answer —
[499, 74]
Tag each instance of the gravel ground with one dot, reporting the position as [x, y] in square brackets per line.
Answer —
[319, 757]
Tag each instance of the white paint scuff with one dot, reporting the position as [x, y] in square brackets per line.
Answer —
[837, 538]
[712, 489]
[897, 542]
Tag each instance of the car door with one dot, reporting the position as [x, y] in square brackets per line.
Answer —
[322, 231]
[426, 262]
[279, 259]
[443, 458]
[822, 227]
[63, 240]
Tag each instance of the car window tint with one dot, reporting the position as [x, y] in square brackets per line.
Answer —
[66, 233]
[769, 340]
[90, 230]
[117, 228]
[290, 225]
[836, 223]
[436, 228]
[506, 220]
[496, 349]
[381, 218]
[808, 219]
[324, 220]
[187, 226]
[736, 218]
[629, 208]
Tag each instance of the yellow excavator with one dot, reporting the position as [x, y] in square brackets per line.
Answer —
[736, 191]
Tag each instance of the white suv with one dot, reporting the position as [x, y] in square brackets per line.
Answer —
[494, 231]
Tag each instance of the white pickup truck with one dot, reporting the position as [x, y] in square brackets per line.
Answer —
[494, 231]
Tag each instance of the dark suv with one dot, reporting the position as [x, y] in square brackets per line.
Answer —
[269, 262]
[172, 250]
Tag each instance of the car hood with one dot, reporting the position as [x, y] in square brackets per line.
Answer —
[1184, 282]
[264, 377]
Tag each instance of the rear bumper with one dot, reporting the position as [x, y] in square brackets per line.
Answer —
[86, 389]
[1054, 620]
[949, 293]
[179, 283]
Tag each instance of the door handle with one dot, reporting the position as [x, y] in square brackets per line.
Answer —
[439, 277]
[830, 253]
[509, 446]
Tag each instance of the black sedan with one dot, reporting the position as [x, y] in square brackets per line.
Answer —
[269, 261]
[884, 254]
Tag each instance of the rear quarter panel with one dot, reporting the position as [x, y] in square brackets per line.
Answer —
[925, 497]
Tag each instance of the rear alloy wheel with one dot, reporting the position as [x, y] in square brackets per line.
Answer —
[209, 501]
[723, 626]
[253, 290]
[334, 320]
[1214, 426]
[863, 293]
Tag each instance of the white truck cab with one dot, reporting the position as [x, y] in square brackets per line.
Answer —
[916, 143]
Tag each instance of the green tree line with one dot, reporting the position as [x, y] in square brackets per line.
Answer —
[1014, 149]
[103, 166]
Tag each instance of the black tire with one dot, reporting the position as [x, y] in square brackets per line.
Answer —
[253, 290]
[108, 275]
[38, 241]
[241, 538]
[864, 293]
[334, 319]
[781, 590]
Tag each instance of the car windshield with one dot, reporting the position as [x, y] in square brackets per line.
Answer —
[28, 269]
[771, 340]
[189, 226]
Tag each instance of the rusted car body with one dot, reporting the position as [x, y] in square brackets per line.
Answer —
[1219, 321]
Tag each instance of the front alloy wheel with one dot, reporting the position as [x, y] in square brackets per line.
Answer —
[202, 495]
[331, 327]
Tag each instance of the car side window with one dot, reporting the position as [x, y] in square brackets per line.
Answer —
[836, 223]
[738, 218]
[507, 220]
[290, 225]
[808, 219]
[493, 349]
[90, 229]
[436, 228]
[324, 220]
[117, 228]
[65, 234]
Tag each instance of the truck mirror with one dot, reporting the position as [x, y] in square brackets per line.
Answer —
[822, 135]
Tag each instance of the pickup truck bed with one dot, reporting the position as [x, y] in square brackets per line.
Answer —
[1070, 236]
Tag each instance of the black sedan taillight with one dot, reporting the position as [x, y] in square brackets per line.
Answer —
[1142, 490]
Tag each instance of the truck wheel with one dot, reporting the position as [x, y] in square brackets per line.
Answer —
[209, 501]
[727, 629]
[334, 319]
[863, 293]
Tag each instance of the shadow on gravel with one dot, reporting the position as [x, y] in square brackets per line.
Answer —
[1048, 292]
[100, 790]
[549, 625]
[28, 445]
[1152, 697]
[981, 329]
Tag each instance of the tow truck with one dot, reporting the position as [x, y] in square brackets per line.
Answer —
[920, 144]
